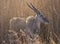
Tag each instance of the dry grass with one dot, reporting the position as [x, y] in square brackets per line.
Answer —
[49, 34]
[43, 37]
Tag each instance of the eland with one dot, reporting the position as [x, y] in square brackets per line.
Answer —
[31, 25]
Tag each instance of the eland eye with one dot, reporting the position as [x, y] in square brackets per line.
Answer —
[41, 15]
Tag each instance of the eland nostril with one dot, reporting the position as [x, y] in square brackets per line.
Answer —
[45, 20]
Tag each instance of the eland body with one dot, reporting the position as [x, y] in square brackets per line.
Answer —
[31, 25]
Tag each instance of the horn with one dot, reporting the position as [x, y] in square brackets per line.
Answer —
[34, 8]
[29, 6]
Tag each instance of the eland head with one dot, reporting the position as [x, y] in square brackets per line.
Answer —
[39, 15]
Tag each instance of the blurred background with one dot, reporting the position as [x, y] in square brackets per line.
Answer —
[12, 8]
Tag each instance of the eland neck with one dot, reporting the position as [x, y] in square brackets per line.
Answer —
[37, 21]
